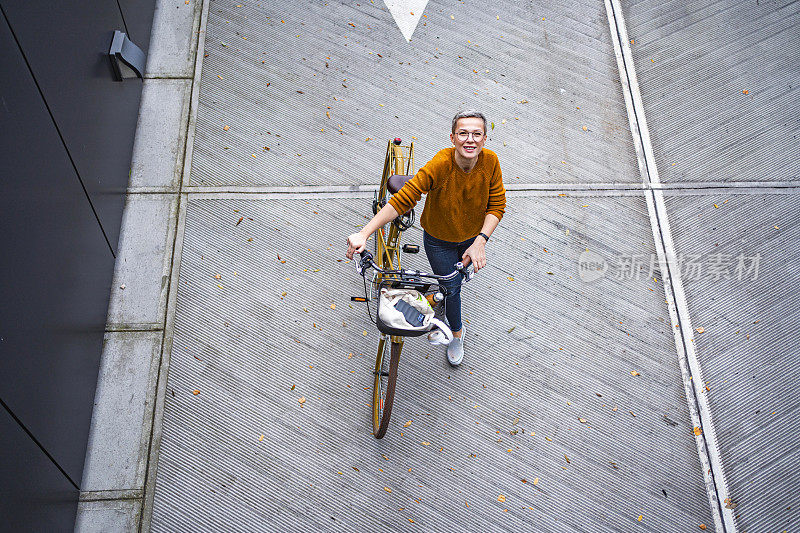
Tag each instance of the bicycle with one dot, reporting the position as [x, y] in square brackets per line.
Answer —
[388, 274]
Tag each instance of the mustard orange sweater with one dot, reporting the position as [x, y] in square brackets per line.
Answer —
[457, 202]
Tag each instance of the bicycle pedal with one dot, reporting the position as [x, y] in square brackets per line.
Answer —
[358, 299]
[411, 248]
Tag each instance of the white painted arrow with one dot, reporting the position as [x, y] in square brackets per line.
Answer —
[406, 14]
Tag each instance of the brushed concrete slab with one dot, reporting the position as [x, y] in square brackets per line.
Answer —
[173, 40]
[546, 393]
[141, 273]
[122, 417]
[740, 268]
[308, 93]
[720, 84]
[161, 134]
[109, 516]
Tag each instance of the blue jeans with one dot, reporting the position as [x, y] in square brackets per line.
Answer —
[443, 255]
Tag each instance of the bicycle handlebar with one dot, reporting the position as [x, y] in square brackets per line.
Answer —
[367, 262]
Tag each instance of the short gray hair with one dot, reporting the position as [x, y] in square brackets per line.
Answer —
[470, 113]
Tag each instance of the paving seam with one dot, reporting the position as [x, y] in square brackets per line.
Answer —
[153, 446]
[365, 191]
[138, 328]
[110, 495]
[336, 191]
[699, 408]
[166, 78]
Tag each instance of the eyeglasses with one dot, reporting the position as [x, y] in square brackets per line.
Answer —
[464, 135]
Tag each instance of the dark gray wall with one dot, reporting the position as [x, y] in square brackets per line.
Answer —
[65, 152]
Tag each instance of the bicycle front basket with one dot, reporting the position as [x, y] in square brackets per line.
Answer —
[403, 312]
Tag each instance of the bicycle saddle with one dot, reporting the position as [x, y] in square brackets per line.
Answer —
[396, 182]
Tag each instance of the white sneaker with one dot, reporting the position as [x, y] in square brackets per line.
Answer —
[437, 337]
[455, 350]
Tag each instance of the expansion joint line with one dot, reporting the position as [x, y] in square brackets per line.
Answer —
[699, 408]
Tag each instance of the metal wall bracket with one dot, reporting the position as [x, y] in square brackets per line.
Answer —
[127, 59]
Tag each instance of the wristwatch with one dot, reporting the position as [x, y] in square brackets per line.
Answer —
[482, 234]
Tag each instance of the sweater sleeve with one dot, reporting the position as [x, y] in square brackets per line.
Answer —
[497, 194]
[408, 196]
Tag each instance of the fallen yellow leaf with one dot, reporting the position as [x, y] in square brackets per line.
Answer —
[700, 330]
[301, 400]
[501, 498]
[261, 438]
[333, 306]
[536, 481]
[387, 489]
[195, 392]
[407, 424]
[640, 518]
[425, 443]
[226, 128]
[635, 373]
[698, 431]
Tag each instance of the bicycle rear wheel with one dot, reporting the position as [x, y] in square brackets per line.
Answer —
[384, 384]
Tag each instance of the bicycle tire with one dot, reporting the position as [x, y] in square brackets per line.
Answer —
[384, 385]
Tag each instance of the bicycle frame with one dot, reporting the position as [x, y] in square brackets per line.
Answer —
[399, 160]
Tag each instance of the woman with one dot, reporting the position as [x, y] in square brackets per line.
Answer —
[465, 202]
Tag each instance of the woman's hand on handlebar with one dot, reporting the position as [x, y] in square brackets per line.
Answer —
[475, 254]
[355, 243]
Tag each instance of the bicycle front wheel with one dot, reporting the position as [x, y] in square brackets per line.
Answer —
[383, 387]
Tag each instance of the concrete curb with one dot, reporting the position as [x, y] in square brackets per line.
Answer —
[117, 460]
[166, 349]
